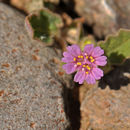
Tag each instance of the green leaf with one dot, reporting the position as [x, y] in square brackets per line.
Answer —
[117, 47]
[43, 25]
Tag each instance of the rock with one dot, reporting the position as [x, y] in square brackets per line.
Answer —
[107, 107]
[83, 89]
[106, 16]
[27, 5]
[32, 83]
[32, 5]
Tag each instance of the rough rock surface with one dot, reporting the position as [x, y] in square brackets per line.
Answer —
[32, 85]
[107, 107]
[106, 16]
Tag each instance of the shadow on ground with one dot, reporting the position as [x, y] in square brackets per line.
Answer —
[72, 106]
[117, 78]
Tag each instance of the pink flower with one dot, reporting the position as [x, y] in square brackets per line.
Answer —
[85, 63]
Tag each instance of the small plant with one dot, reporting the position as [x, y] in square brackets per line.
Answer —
[85, 62]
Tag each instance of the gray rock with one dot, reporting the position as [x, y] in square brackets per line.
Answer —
[32, 84]
[106, 16]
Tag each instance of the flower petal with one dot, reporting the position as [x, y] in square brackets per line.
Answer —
[66, 54]
[101, 60]
[90, 79]
[69, 68]
[97, 73]
[67, 59]
[79, 77]
[74, 50]
[97, 52]
[103, 63]
[88, 49]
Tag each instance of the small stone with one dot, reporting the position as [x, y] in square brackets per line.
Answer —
[35, 57]
[5, 65]
[32, 124]
[1, 92]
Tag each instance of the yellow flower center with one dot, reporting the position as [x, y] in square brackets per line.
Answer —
[91, 59]
[86, 57]
[84, 65]
[88, 67]
[80, 56]
[86, 72]
[78, 63]
[74, 59]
